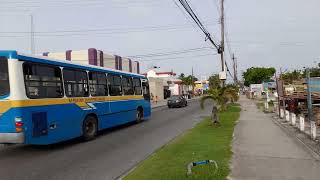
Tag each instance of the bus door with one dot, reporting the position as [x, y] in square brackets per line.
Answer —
[146, 89]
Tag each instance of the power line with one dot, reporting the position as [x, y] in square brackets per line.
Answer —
[182, 57]
[195, 18]
[53, 4]
[94, 31]
[172, 52]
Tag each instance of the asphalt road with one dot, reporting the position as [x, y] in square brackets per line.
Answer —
[111, 155]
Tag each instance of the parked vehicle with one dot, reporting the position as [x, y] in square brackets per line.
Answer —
[177, 101]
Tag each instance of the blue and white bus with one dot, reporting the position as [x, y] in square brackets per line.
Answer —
[45, 101]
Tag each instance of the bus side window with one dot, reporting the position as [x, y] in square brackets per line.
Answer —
[76, 83]
[145, 87]
[98, 84]
[114, 85]
[42, 81]
[127, 85]
[137, 86]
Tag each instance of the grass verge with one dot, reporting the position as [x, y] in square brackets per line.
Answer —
[261, 106]
[203, 142]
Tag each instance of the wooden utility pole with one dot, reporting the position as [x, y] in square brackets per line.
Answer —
[222, 42]
[235, 66]
[192, 82]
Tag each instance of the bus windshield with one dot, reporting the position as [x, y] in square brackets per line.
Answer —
[4, 77]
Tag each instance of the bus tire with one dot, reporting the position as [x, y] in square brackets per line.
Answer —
[90, 128]
[139, 115]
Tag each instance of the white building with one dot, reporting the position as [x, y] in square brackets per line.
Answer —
[169, 82]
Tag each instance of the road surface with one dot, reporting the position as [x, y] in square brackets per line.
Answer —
[112, 154]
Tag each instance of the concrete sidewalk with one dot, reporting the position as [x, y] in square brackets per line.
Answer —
[263, 151]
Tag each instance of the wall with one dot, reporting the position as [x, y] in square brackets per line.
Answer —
[109, 61]
[59, 56]
[157, 88]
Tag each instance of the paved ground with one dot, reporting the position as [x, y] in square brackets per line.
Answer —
[109, 156]
[262, 150]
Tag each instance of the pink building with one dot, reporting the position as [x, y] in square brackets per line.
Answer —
[96, 57]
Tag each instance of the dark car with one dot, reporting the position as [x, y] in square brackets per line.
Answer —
[177, 101]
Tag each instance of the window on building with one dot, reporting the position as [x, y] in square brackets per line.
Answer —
[114, 85]
[137, 86]
[98, 84]
[75, 83]
[4, 77]
[42, 81]
[127, 85]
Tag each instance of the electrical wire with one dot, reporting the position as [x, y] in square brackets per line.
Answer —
[94, 31]
[195, 18]
[172, 52]
[180, 57]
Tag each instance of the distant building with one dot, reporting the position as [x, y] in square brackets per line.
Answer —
[96, 57]
[201, 86]
[170, 84]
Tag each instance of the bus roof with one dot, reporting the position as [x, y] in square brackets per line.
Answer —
[10, 54]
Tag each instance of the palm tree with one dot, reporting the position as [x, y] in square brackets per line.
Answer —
[220, 98]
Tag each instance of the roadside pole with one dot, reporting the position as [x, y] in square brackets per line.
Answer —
[310, 111]
[267, 104]
[223, 74]
[277, 82]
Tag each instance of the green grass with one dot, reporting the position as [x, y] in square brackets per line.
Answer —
[203, 142]
[260, 106]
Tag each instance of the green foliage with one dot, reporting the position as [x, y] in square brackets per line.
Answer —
[187, 80]
[297, 74]
[257, 75]
[200, 143]
[291, 76]
[221, 96]
[314, 72]
[181, 76]
[214, 81]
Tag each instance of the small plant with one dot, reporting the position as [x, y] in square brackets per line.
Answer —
[220, 98]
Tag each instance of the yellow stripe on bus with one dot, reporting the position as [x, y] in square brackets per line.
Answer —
[79, 101]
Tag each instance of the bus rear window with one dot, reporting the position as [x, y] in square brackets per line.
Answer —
[4, 77]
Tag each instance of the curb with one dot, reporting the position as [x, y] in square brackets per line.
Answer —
[311, 149]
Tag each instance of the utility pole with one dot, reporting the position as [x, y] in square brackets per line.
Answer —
[313, 128]
[192, 81]
[222, 78]
[283, 93]
[32, 35]
[234, 60]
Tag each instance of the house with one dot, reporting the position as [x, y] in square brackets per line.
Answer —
[170, 84]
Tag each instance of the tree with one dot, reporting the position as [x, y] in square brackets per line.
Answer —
[291, 76]
[181, 76]
[257, 75]
[188, 80]
[314, 72]
[214, 81]
[220, 98]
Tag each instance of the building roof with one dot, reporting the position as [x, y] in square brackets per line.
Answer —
[161, 72]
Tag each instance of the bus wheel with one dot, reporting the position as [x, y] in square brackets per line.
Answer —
[139, 115]
[90, 128]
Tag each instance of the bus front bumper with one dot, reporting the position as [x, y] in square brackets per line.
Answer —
[11, 138]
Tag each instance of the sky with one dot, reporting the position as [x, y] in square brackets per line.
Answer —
[269, 33]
